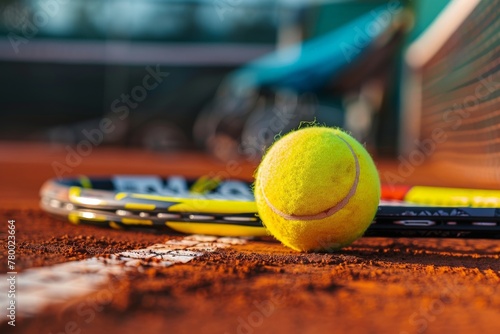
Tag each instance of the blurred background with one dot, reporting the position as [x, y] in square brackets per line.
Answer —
[227, 76]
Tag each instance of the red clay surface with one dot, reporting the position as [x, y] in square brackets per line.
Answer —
[377, 285]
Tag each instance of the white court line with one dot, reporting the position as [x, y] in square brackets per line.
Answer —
[38, 288]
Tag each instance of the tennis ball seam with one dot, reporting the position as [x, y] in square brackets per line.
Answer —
[330, 211]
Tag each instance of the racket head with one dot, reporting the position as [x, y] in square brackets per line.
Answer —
[201, 206]
[175, 193]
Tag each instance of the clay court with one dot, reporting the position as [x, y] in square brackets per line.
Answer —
[376, 285]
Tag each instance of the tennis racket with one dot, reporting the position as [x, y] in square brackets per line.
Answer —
[216, 207]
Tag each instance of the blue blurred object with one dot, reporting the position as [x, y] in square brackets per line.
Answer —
[310, 65]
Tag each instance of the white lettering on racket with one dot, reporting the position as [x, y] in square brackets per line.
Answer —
[178, 186]
[174, 186]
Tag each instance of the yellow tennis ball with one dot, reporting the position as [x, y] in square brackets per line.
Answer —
[317, 188]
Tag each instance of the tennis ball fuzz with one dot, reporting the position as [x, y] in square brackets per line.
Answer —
[317, 188]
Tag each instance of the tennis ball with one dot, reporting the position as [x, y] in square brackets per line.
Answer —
[317, 188]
